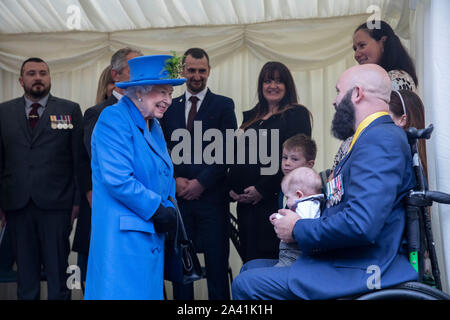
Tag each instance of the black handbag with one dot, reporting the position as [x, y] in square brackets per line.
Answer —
[181, 264]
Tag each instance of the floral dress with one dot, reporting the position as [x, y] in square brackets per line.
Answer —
[401, 80]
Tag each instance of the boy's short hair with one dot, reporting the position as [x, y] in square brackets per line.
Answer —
[303, 142]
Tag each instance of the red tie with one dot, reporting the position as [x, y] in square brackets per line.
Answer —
[192, 112]
[33, 116]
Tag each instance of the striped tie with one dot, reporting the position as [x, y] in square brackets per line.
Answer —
[33, 116]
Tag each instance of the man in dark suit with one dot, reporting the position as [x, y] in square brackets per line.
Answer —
[40, 138]
[200, 187]
[356, 244]
[119, 72]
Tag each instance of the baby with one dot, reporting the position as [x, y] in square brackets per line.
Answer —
[302, 188]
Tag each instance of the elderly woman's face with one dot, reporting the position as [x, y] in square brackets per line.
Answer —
[156, 102]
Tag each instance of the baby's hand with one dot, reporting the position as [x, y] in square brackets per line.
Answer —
[283, 227]
[273, 217]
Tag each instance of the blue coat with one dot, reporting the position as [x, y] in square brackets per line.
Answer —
[343, 249]
[132, 175]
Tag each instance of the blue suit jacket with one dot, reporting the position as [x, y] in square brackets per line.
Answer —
[132, 175]
[215, 112]
[362, 235]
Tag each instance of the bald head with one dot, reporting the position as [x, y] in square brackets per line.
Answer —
[304, 179]
[372, 78]
[368, 86]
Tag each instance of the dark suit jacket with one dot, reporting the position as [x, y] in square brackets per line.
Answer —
[254, 224]
[39, 165]
[90, 119]
[83, 230]
[216, 112]
[289, 123]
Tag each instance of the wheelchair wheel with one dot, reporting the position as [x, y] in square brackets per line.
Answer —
[407, 291]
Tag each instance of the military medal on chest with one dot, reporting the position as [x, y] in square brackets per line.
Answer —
[335, 191]
[61, 122]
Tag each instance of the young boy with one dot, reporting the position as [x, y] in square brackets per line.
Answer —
[302, 188]
[298, 151]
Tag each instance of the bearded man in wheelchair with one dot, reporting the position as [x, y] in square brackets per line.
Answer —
[358, 244]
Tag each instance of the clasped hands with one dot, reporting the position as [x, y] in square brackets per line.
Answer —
[250, 195]
[188, 189]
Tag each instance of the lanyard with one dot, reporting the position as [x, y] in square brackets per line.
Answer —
[364, 124]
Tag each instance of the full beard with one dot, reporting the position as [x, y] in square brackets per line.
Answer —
[342, 126]
[37, 92]
[196, 89]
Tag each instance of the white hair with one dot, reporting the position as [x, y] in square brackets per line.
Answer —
[131, 92]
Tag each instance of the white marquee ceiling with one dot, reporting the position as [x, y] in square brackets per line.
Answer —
[27, 16]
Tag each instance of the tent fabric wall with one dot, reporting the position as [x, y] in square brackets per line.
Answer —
[25, 16]
[312, 37]
[433, 36]
[316, 46]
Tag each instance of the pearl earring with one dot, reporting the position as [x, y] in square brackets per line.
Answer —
[140, 99]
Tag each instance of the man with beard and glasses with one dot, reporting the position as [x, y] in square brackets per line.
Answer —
[40, 137]
[355, 245]
[200, 187]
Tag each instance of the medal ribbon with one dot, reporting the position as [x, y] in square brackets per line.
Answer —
[364, 124]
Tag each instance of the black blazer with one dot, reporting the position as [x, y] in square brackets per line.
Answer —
[289, 123]
[83, 230]
[90, 119]
[216, 112]
[39, 165]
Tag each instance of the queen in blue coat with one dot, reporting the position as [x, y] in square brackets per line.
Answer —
[132, 176]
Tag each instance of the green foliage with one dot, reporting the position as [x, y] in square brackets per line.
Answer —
[174, 66]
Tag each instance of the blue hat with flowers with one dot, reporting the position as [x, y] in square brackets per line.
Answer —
[151, 70]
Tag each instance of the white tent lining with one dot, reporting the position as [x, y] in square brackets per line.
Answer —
[25, 16]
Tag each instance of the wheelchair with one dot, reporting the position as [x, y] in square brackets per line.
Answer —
[418, 235]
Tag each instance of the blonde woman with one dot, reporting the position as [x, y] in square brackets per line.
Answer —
[105, 85]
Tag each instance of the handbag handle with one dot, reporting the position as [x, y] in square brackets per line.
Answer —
[179, 222]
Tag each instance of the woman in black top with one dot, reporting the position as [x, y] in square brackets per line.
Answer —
[254, 184]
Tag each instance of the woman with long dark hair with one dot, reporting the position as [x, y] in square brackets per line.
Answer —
[277, 114]
[380, 45]
[383, 47]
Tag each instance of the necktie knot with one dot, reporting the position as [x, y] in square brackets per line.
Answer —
[35, 106]
[192, 112]
[193, 99]
[33, 116]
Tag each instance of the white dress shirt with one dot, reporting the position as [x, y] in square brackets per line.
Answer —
[201, 96]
